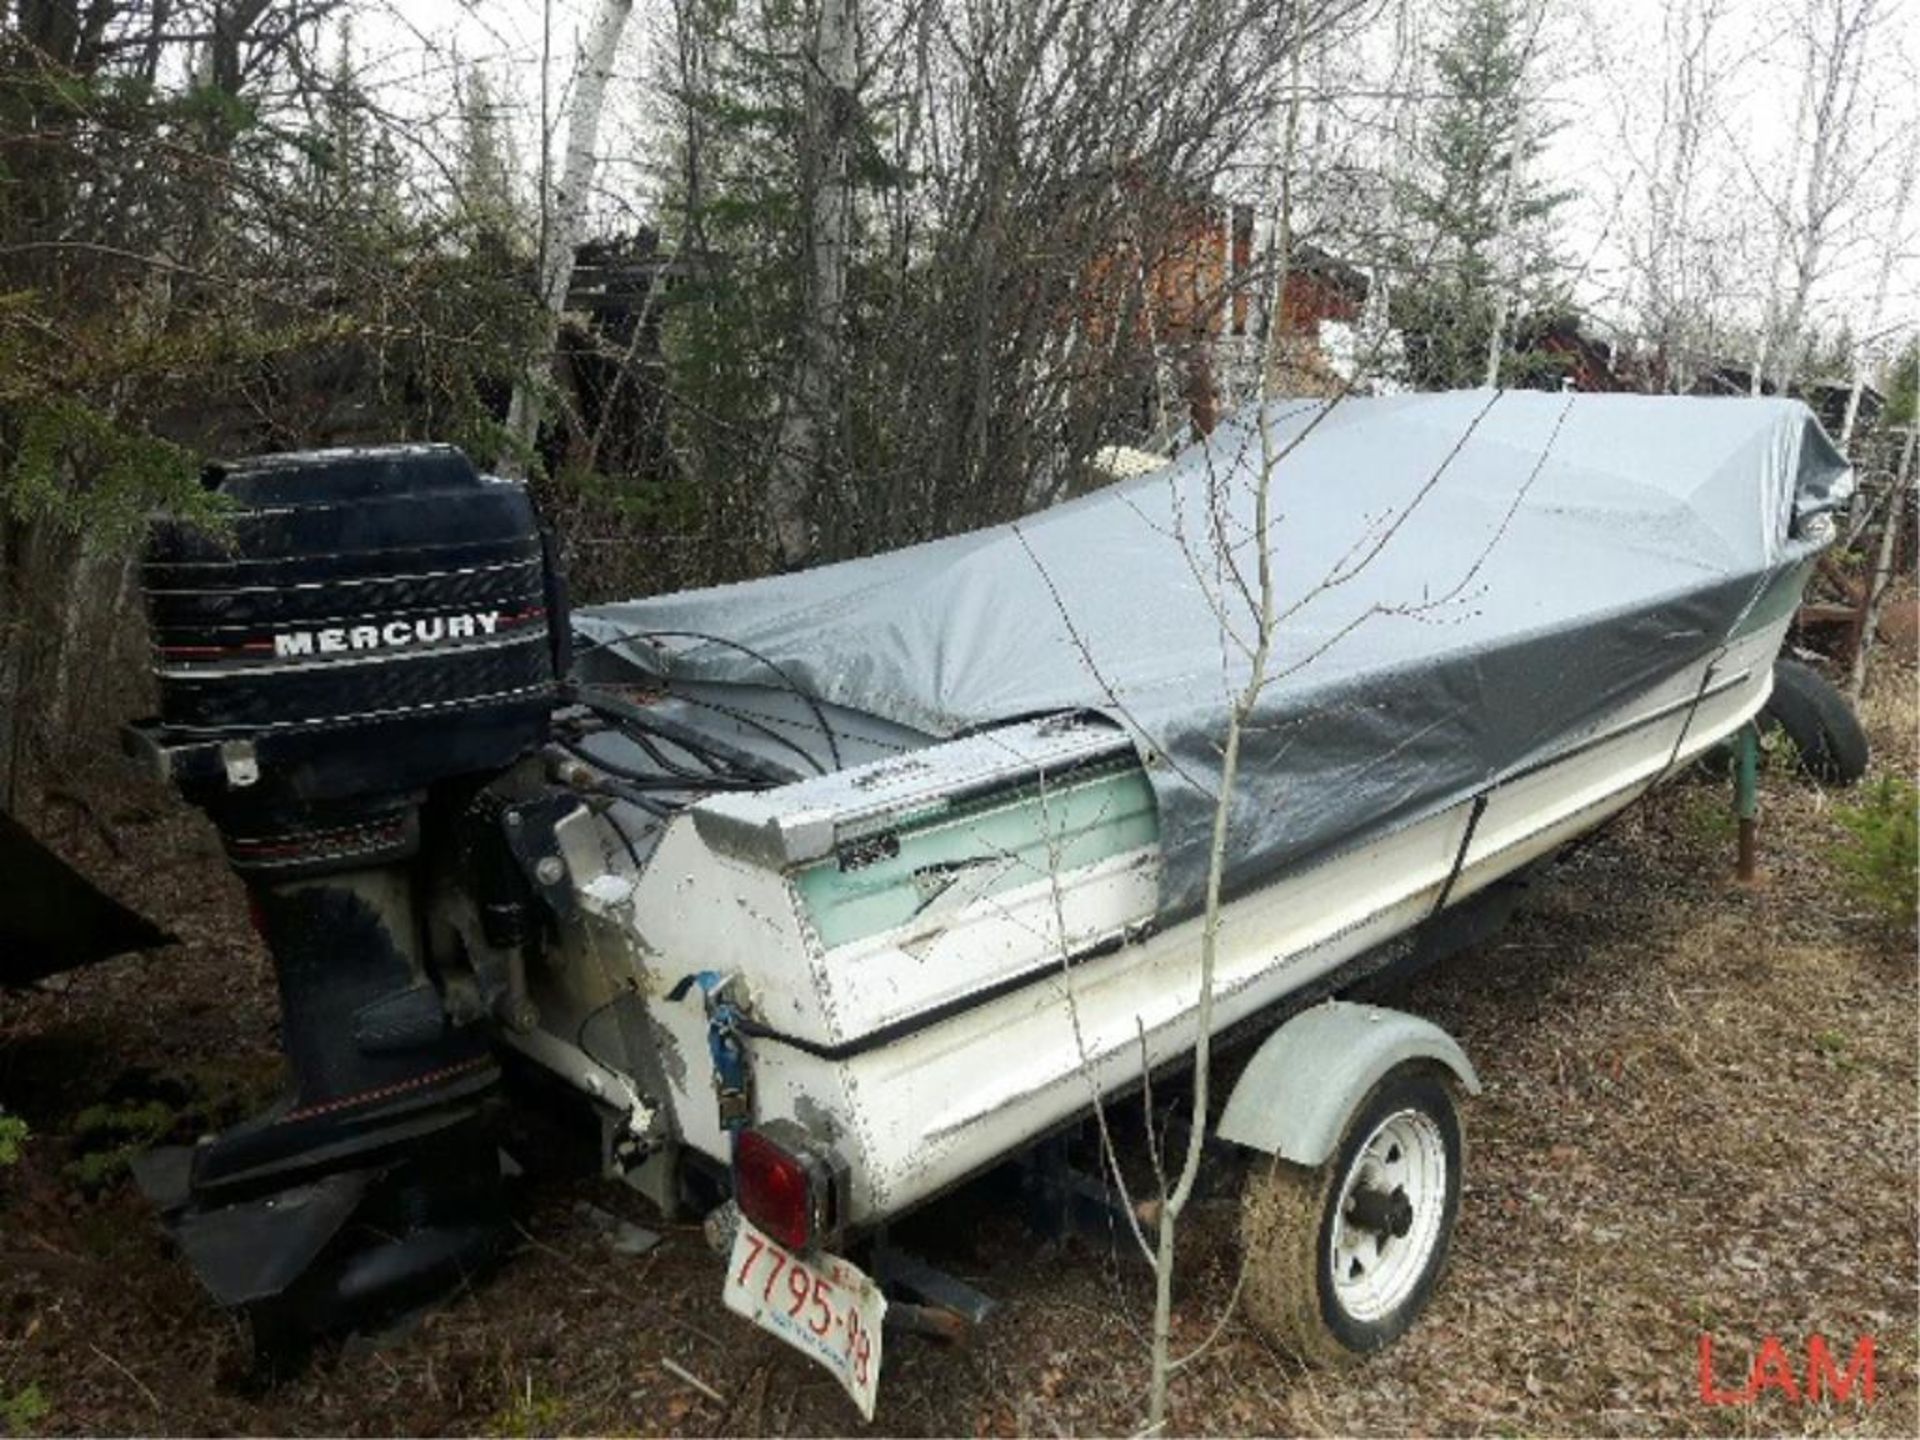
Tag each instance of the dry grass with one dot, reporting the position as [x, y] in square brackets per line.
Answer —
[1700, 1116]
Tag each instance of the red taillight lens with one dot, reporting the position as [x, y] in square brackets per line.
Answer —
[774, 1188]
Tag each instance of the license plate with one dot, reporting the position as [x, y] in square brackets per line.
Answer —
[823, 1306]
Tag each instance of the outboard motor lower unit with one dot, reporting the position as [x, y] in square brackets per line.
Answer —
[368, 638]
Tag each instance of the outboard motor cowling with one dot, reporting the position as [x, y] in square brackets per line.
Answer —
[369, 637]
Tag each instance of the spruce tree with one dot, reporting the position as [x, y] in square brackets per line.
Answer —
[489, 209]
[1480, 214]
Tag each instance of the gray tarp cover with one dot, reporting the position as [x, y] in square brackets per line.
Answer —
[1464, 582]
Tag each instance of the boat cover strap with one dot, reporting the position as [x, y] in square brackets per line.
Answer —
[1460, 855]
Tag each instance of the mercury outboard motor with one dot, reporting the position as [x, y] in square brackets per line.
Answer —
[369, 637]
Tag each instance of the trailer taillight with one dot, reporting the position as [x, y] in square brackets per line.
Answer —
[783, 1184]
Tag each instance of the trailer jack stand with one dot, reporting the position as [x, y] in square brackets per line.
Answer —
[1746, 793]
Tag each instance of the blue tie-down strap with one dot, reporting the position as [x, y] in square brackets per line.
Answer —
[732, 1070]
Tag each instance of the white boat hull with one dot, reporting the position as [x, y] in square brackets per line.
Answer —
[948, 1100]
[913, 1108]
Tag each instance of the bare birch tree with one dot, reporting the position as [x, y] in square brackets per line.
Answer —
[1686, 219]
[1174, 1201]
[563, 214]
[1677, 298]
[1834, 38]
[832, 75]
[1868, 349]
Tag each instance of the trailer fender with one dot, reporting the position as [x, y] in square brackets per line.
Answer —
[1297, 1092]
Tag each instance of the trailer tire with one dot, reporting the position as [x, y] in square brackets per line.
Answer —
[1824, 730]
[1303, 1245]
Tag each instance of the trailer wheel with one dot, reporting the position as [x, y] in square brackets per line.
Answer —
[1341, 1258]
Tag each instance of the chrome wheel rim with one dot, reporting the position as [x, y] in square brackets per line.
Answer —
[1388, 1221]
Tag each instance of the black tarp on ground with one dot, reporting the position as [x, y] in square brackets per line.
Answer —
[52, 918]
[1464, 581]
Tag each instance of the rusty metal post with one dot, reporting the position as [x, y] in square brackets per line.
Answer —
[1746, 796]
